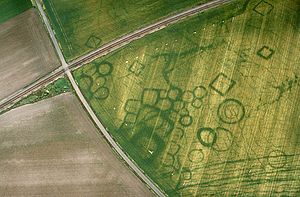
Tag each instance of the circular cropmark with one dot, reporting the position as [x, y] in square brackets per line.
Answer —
[102, 93]
[85, 82]
[207, 136]
[225, 139]
[200, 92]
[186, 120]
[100, 81]
[89, 69]
[231, 111]
[196, 155]
[105, 68]
[277, 159]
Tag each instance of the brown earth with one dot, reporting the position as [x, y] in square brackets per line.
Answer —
[51, 148]
[26, 52]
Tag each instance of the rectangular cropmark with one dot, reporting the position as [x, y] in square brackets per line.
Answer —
[84, 25]
[215, 107]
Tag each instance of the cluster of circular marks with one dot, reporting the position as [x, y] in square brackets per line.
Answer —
[231, 111]
[170, 102]
[171, 161]
[194, 97]
[94, 78]
[199, 93]
[219, 139]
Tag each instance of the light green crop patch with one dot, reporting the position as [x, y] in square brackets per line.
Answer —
[11, 8]
[84, 25]
[209, 106]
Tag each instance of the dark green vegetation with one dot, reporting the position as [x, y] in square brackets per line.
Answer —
[11, 8]
[84, 25]
[57, 87]
[209, 106]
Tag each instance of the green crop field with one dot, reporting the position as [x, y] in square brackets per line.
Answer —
[84, 25]
[11, 8]
[209, 106]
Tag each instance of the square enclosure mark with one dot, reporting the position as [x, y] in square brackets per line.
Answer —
[263, 8]
[265, 52]
[93, 42]
[222, 84]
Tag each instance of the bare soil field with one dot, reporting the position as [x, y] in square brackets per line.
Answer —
[51, 148]
[26, 53]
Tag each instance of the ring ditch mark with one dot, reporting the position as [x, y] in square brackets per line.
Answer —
[231, 111]
[277, 159]
[85, 82]
[98, 83]
[174, 93]
[196, 155]
[104, 68]
[89, 70]
[225, 139]
[200, 92]
[207, 136]
[186, 120]
[102, 93]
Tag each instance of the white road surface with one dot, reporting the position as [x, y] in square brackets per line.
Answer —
[117, 148]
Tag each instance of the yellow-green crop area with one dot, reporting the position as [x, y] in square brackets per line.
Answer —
[84, 25]
[11, 8]
[209, 106]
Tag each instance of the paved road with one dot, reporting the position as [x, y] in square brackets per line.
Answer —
[95, 54]
[117, 148]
